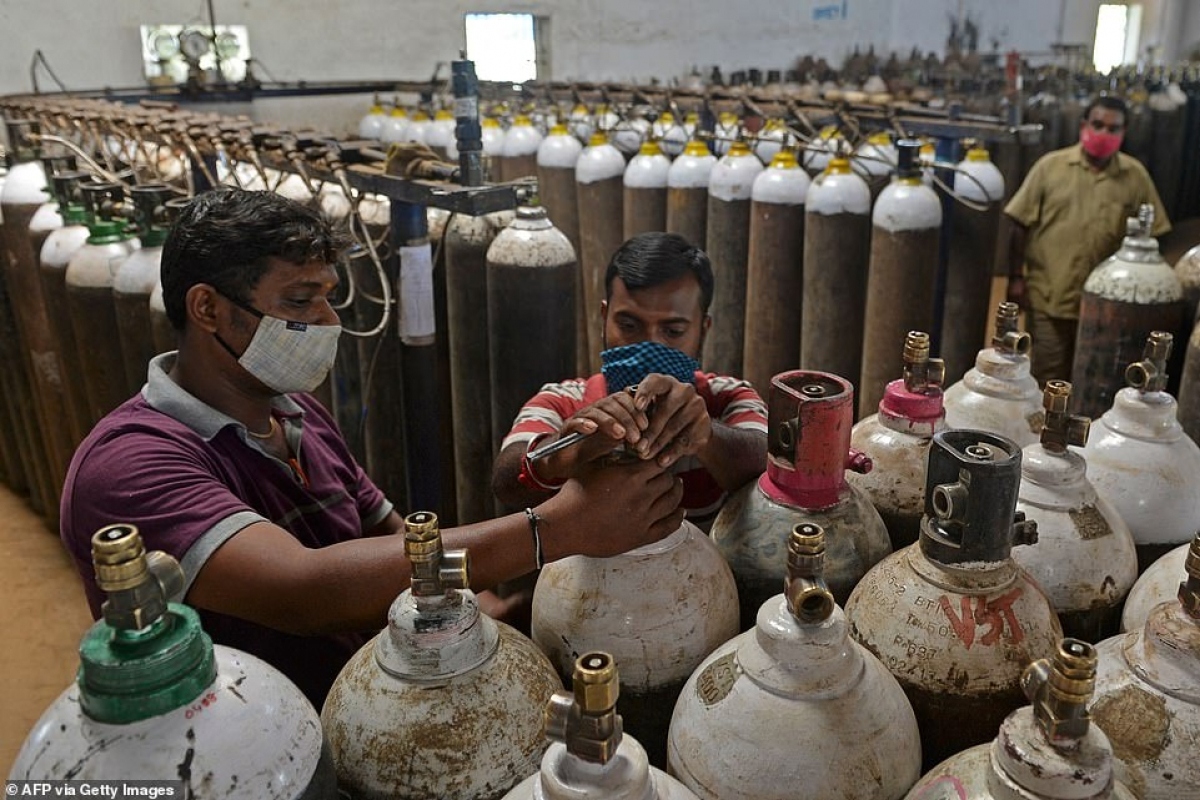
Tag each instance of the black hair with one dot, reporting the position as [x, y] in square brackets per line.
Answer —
[649, 259]
[225, 237]
[1111, 102]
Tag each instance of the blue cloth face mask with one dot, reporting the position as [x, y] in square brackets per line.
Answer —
[629, 364]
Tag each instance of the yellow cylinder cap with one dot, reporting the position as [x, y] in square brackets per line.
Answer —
[443, 113]
[579, 108]
[728, 118]
[739, 148]
[650, 148]
[695, 147]
[598, 138]
[559, 129]
[837, 166]
[692, 118]
[784, 159]
[376, 109]
[928, 150]
[666, 118]
[978, 154]
[397, 111]
[879, 138]
[829, 132]
[521, 119]
[490, 122]
[421, 117]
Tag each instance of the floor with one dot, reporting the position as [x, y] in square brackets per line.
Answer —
[43, 615]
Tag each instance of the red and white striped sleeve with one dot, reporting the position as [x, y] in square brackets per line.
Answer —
[733, 401]
[546, 411]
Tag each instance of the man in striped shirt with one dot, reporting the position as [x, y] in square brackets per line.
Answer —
[709, 429]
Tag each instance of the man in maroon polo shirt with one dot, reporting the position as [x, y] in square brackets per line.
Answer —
[225, 462]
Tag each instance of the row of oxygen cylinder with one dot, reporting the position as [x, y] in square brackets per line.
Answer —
[948, 658]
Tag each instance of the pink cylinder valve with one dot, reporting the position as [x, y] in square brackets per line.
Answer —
[809, 417]
[919, 408]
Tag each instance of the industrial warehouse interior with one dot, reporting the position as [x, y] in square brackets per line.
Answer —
[480, 400]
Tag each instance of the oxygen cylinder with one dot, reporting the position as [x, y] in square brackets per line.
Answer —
[672, 136]
[897, 438]
[155, 699]
[821, 150]
[520, 149]
[628, 135]
[1000, 395]
[770, 141]
[875, 160]
[556, 159]
[160, 327]
[414, 713]
[372, 123]
[599, 175]
[809, 415]
[1148, 694]
[590, 755]
[1130, 294]
[969, 264]
[665, 606]
[1158, 584]
[30, 353]
[953, 616]
[529, 265]
[775, 270]
[135, 280]
[905, 229]
[418, 127]
[90, 276]
[645, 199]
[837, 236]
[795, 702]
[58, 249]
[395, 127]
[1047, 751]
[580, 123]
[1188, 271]
[440, 133]
[466, 245]
[687, 193]
[1085, 560]
[728, 245]
[1143, 463]
[727, 131]
[492, 136]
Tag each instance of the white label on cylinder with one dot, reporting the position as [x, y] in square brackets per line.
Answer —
[466, 107]
[416, 293]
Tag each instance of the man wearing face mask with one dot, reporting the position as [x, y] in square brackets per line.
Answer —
[225, 462]
[709, 429]
[1069, 215]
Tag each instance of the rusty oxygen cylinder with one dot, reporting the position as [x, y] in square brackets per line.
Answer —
[728, 245]
[1148, 694]
[136, 279]
[775, 270]
[795, 702]
[969, 264]
[1188, 271]
[530, 264]
[57, 251]
[837, 251]
[556, 157]
[1000, 395]
[1131, 294]
[89, 278]
[1141, 461]
[1085, 560]
[599, 174]
[413, 713]
[467, 240]
[953, 616]
[905, 229]
[646, 191]
[1157, 585]
[590, 754]
[1050, 750]
[521, 142]
[808, 453]
[897, 439]
[687, 193]
[658, 639]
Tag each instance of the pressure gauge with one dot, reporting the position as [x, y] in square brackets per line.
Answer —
[194, 43]
[163, 44]
[228, 45]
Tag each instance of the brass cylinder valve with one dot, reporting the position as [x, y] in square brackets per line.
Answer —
[921, 373]
[1007, 338]
[1061, 428]
[1060, 689]
[808, 596]
[437, 574]
[139, 585]
[1189, 590]
[1150, 374]
[586, 720]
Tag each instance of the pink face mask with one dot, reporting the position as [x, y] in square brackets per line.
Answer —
[1100, 145]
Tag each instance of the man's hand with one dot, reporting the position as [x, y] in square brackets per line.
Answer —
[609, 421]
[611, 509]
[679, 421]
[1018, 292]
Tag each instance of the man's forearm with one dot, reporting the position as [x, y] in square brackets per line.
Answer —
[507, 488]
[734, 456]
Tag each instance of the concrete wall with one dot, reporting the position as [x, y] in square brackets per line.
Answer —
[94, 44]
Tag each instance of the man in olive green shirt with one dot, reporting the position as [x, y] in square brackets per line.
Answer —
[1070, 215]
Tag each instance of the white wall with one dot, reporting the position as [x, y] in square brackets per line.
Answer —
[93, 44]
